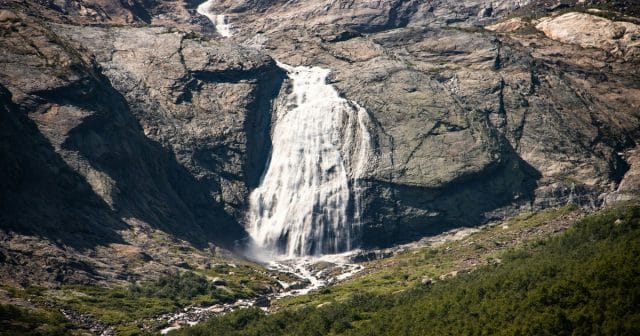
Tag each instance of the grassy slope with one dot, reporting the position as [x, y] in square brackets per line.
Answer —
[129, 307]
[16, 321]
[441, 260]
[584, 282]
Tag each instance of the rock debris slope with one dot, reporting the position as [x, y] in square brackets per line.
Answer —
[124, 118]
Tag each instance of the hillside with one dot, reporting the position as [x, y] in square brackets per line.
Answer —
[163, 162]
[583, 282]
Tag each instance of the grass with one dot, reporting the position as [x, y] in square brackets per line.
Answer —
[131, 308]
[583, 282]
[412, 267]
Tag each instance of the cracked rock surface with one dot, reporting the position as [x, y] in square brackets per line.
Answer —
[125, 121]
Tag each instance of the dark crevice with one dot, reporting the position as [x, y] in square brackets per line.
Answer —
[258, 125]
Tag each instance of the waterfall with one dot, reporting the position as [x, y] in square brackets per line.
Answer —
[219, 21]
[305, 204]
[309, 201]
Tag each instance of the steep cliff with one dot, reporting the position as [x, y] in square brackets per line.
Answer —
[101, 144]
[472, 123]
[122, 119]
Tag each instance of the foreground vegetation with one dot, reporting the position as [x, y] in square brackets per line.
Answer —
[131, 308]
[458, 254]
[15, 321]
[584, 282]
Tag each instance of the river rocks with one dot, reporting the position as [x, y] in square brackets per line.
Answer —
[304, 283]
[88, 322]
[263, 302]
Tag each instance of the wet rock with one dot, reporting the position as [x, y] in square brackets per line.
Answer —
[371, 255]
[262, 302]
[299, 285]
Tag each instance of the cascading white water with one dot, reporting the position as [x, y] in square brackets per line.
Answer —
[309, 200]
[305, 203]
[219, 21]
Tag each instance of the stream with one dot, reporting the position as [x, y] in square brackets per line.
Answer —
[314, 273]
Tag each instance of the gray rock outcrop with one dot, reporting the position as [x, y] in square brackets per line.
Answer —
[130, 129]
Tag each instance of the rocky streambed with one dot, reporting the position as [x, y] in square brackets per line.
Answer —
[311, 273]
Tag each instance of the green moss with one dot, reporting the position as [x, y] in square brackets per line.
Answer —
[128, 331]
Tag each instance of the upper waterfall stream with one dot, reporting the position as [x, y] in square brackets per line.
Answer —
[219, 21]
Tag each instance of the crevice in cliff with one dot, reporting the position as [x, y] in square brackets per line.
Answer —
[227, 76]
[258, 124]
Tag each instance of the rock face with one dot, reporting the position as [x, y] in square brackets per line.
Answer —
[124, 119]
[210, 104]
[129, 129]
[470, 125]
[621, 39]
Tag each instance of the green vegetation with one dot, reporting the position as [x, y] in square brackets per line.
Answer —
[480, 247]
[195, 36]
[123, 305]
[15, 321]
[131, 308]
[583, 282]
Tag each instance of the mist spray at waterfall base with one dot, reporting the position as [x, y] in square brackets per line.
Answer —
[305, 216]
